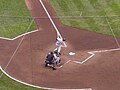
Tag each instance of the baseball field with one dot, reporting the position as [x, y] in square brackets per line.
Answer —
[9, 84]
[28, 32]
[92, 15]
[14, 18]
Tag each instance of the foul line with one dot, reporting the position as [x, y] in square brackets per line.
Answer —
[58, 33]
[93, 53]
[16, 48]
[50, 18]
[112, 32]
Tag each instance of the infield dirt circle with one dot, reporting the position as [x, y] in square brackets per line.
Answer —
[101, 72]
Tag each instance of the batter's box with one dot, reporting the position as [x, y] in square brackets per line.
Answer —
[77, 56]
[73, 57]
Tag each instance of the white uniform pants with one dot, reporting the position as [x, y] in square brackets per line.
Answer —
[58, 48]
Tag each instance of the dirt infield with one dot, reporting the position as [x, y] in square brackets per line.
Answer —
[100, 72]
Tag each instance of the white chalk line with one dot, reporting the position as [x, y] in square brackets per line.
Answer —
[58, 33]
[64, 64]
[19, 35]
[74, 89]
[21, 81]
[112, 32]
[50, 18]
[93, 53]
[35, 86]
[16, 48]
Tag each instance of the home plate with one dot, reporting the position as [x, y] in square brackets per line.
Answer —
[71, 53]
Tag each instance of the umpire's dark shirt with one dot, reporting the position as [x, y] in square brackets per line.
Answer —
[50, 57]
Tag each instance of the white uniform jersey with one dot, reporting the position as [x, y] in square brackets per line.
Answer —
[60, 43]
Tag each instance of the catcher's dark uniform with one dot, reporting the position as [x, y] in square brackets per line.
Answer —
[50, 57]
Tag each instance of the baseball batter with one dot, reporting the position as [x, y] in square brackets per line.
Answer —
[60, 42]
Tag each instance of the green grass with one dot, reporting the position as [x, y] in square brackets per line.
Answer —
[75, 8]
[11, 26]
[8, 84]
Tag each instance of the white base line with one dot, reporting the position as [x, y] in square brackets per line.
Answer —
[19, 35]
[50, 18]
[87, 58]
[93, 53]
[35, 85]
[64, 64]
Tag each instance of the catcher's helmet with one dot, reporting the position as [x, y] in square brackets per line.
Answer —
[51, 52]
